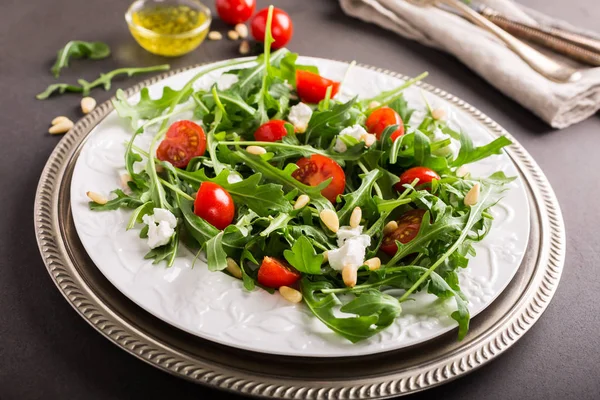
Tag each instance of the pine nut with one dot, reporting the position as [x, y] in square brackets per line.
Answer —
[233, 35]
[61, 127]
[244, 47]
[125, 179]
[256, 150]
[349, 275]
[87, 104]
[330, 219]
[60, 119]
[373, 263]
[242, 30]
[374, 104]
[325, 257]
[472, 196]
[233, 268]
[462, 171]
[390, 227]
[439, 114]
[369, 139]
[290, 294]
[355, 217]
[214, 35]
[97, 197]
[301, 201]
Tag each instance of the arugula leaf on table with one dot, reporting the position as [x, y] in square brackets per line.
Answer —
[79, 49]
[104, 80]
[303, 257]
[146, 107]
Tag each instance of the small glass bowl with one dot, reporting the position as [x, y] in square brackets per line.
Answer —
[155, 25]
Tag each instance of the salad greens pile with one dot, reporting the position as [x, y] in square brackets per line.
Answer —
[266, 224]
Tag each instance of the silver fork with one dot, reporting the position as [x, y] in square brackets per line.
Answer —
[544, 65]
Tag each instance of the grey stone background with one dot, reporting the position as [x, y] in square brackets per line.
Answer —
[48, 352]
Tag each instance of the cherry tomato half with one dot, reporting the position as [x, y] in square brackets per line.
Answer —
[275, 273]
[184, 140]
[312, 87]
[424, 174]
[281, 27]
[214, 204]
[408, 227]
[235, 11]
[383, 117]
[271, 131]
[316, 169]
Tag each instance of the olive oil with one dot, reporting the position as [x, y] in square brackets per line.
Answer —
[169, 30]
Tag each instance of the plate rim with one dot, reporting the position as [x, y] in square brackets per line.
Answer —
[120, 332]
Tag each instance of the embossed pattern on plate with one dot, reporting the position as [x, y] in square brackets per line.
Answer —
[379, 376]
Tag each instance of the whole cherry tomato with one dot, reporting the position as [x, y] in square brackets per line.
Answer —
[383, 117]
[184, 140]
[281, 27]
[271, 131]
[317, 169]
[214, 204]
[275, 273]
[424, 174]
[408, 227]
[235, 11]
[312, 87]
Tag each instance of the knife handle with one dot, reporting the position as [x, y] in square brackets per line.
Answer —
[567, 43]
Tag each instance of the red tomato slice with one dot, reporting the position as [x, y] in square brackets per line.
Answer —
[383, 117]
[316, 169]
[282, 28]
[424, 174]
[184, 140]
[312, 87]
[271, 131]
[275, 273]
[408, 227]
[235, 11]
[214, 204]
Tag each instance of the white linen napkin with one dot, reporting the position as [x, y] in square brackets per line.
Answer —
[559, 104]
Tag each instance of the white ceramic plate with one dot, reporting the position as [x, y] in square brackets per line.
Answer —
[214, 306]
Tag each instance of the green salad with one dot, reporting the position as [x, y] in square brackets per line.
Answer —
[324, 202]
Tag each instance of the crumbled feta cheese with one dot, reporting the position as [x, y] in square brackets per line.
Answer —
[452, 149]
[356, 131]
[234, 177]
[226, 81]
[299, 116]
[352, 248]
[161, 226]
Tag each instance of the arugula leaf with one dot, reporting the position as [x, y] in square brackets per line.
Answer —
[303, 257]
[166, 253]
[470, 154]
[121, 201]
[401, 107]
[263, 199]
[329, 123]
[279, 222]
[104, 80]
[79, 49]
[439, 287]
[374, 310]
[360, 197]
[146, 108]
[215, 255]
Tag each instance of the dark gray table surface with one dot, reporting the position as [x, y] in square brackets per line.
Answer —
[48, 352]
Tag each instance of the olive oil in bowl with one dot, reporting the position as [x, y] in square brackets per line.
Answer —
[168, 28]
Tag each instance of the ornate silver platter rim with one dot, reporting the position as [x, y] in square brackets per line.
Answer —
[534, 296]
